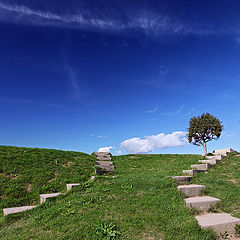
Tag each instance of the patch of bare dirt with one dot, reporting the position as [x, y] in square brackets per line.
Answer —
[68, 164]
[29, 187]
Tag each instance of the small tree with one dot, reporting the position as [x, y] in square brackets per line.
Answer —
[203, 129]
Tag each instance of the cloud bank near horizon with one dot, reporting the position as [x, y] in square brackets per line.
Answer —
[154, 142]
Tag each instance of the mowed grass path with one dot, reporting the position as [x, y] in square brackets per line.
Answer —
[142, 201]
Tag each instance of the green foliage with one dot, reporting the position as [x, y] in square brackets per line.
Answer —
[27, 172]
[224, 235]
[107, 231]
[237, 228]
[210, 154]
[203, 129]
[142, 201]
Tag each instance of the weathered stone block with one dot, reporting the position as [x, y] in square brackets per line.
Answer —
[191, 190]
[218, 222]
[201, 203]
[13, 210]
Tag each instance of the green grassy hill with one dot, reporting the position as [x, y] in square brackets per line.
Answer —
[27, 172]
[142, 201]
[223, 182]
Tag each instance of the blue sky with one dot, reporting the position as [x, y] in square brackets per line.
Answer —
[82, 75]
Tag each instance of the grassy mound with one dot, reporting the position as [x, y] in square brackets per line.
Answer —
[223, 182]
[142, 202]
[27, 172]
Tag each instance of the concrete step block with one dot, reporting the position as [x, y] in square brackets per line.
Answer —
[102, 154]
[7, 211]
[44, 197]
[223, 151]
[108, 168]
[104, 158]
[192, 190]
[218, 222]
[215, 157]
[223, 154]
[201, 203]
[211, 162]
[190, 172]
[200, 167]
[105, 163]
[71, 185]
[182, 179]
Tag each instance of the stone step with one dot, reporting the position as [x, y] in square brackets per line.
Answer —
[44, 197]
[215, 157]
[105, 163]
[211, 162]
[13, 210]
[218, 222]
[200, 167]
[223, 151]
[102, 154]
[201, 203]
[224, 154]
[192, 190]
[71, 185]
[182, 179]
[190, 172]
[108, 168]
[104, 158]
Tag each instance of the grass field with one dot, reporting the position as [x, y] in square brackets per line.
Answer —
[223, 182]
[142, 201]
[27, 172]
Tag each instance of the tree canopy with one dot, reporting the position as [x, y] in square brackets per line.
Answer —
[203, 129]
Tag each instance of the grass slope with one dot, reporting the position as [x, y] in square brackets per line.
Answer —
[27, 172]
[223, 182]
[142, 201]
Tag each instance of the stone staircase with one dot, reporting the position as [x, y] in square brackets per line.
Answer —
[43, 198]
[218, 222]
[103, 165]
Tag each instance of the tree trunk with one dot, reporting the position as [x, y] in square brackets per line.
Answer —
[205, 148]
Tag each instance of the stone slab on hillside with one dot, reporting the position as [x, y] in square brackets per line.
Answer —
[200, 167]
[182, 179]
[13, 210]
[192, 190]
[190, 172]
[71, 185]
[104, 158]
[106, 168]
[215, 157]
[201, 203]
[223, 151]
[211, 162]
[105, 163]
[44, 197]
[218, 222]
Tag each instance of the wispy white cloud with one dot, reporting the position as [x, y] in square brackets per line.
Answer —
[101, 136]
[145, 20]
[172, 114]
[74, 83]
[150, 143]
[20, 12]
[180, 109]
[190, 112]
[155, 109]
[105, 149]
[119, 151]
